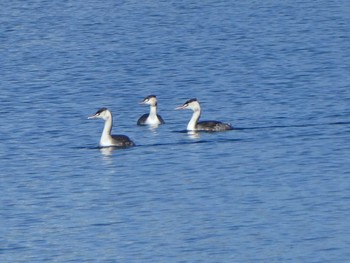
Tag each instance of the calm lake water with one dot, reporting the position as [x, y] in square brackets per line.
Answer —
[275, 189]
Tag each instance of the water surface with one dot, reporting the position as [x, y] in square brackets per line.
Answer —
[275, 189]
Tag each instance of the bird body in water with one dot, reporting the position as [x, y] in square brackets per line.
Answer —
[107, 139]
[151, 118]
[196, 125]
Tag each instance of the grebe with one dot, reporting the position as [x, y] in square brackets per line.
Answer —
[151, 118]
[194, 125]
[108, 140]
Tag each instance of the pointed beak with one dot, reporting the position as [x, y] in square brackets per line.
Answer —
[180, 107]
[92, 117]
[142, 102]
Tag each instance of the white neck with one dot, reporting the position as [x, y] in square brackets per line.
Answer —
[152, 117]
[153, 111]
[191, 126]
[107, 129]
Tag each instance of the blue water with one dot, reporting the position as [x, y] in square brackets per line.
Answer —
[276, 189]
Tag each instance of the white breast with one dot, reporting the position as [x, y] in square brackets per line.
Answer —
[105, 141]
[152, 120]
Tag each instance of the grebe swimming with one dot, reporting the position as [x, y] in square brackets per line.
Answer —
[108, 140]
[194, 125]
[151, 118]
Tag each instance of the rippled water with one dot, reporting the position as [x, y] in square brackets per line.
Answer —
[276, 189]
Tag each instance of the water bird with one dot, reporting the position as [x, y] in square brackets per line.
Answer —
[195, 125]
[107, 139]
[151, 118]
